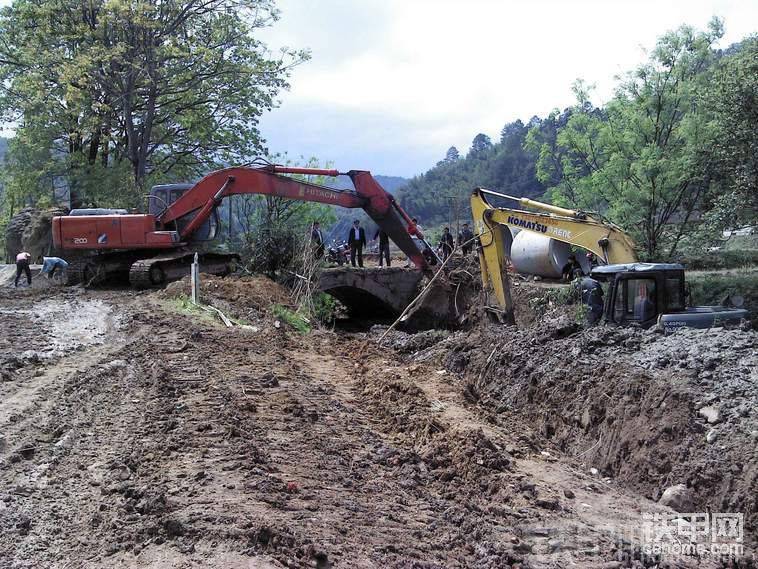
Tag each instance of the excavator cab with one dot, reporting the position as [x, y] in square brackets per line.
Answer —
[649, 294]
[639, 292]
[164, 195]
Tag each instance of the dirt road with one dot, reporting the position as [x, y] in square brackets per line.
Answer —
[134, 435]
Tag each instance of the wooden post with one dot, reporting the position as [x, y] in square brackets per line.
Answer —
[195, 278]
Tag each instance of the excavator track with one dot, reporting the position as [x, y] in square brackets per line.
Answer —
[157, 271]
[84, 271]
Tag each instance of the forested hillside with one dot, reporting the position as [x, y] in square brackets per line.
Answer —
[672, 157]
[505, 165]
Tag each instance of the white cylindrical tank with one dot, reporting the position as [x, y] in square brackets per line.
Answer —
[539, 255]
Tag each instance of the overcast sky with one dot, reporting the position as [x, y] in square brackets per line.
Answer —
[393, 83]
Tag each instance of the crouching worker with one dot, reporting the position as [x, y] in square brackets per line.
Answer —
[51, 264]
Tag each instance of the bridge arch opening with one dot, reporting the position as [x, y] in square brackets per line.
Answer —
[362, 304]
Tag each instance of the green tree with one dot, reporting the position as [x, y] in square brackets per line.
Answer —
[639, 160]
[506, 166]
[452, 154]
[108, 94]
[480, 145]
[732, 102]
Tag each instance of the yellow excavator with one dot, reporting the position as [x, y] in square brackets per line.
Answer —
[645, 294]
[606, 240]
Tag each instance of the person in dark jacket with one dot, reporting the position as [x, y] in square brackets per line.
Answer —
[591, 294]
[356, 239]
[384, 247]
[466, 239]
[446, 243]
[572, 269]
[317, 240]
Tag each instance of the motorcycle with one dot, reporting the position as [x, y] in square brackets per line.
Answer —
[338, 252]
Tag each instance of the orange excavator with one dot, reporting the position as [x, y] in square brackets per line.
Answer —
[158, 246]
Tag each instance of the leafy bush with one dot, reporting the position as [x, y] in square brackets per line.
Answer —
[294, 319]
[324, 308]
[723, 259]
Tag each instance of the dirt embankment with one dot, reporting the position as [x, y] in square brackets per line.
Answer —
[647, 410]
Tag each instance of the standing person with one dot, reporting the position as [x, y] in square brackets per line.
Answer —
[446, 243]
[317, 240]
[384, 246]
[591, 295]
[50, 264]
[466, 239]
[22, 266]
[356, 239]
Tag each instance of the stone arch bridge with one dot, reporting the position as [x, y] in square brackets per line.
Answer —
[371, 291]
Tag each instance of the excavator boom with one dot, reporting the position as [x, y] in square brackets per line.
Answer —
[607, 241]
[176, 225]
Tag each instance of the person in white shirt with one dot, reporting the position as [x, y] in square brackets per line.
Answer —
[356, 239]
[22, 266]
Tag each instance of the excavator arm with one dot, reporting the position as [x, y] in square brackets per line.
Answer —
[176, 225]
[199, 202]
[609, 242]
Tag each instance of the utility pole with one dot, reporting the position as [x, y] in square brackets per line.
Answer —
[453, 210]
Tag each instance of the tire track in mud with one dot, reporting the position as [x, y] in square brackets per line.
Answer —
[59, 337]
[559, 512]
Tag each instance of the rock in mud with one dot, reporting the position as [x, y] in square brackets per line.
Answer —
[269, 379]
[711, 414]
[712, 435]
[678, 498]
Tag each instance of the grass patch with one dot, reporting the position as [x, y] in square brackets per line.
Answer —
[182, 304]
[294, 319]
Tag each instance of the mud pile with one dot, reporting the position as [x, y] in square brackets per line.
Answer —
[652, 411]
[247, 298]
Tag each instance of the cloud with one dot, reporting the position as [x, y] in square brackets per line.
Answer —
[404, 80]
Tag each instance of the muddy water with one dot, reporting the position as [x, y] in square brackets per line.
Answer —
[62, 326]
